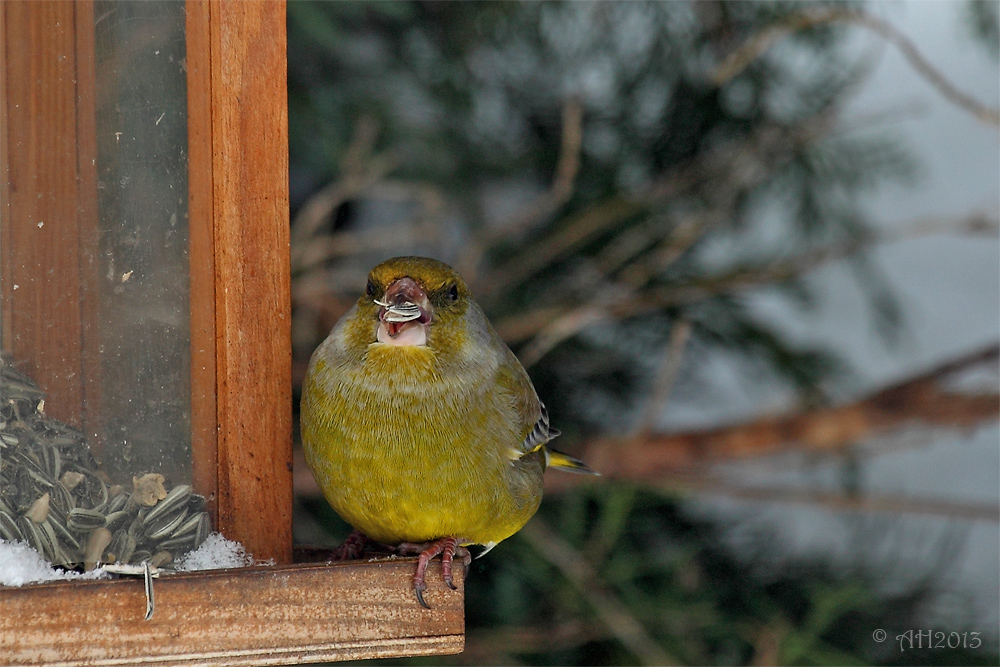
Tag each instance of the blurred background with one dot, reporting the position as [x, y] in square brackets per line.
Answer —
[748, 254]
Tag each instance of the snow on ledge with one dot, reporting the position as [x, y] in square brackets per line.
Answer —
[21, 565]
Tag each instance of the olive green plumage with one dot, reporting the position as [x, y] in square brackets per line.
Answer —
[436, 432]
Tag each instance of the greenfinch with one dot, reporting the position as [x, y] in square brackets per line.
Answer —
[420, 425]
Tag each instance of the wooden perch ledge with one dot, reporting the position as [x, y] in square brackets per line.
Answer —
[254, 616]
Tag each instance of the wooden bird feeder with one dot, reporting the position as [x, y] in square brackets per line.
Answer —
[144, 275]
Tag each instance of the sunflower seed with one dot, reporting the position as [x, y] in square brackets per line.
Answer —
[176, 498]
[140, 555]
[32, 535]
[178, 543]
[117, 503]
[121, 548]
[117, 520]
[8, 528]
[84, 520]
[64, 533]
[165, 525]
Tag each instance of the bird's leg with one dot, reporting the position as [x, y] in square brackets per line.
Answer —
[352, 546]
[448, 547]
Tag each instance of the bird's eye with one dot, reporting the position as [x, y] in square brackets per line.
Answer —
[370, 289]
[453, 293]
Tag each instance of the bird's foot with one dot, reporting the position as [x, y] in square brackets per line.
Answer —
[352, 546]
[448, 547]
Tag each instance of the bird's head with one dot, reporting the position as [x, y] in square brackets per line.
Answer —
[415, 301]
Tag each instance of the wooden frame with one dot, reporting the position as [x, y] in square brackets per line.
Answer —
[240, 355]
[241, 332]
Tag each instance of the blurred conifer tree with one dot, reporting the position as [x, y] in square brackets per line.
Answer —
[585, 167]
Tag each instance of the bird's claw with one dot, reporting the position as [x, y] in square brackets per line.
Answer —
[419, 590]
[448, 547]
[352, 547]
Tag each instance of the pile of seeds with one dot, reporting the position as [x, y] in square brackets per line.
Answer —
[54, 496]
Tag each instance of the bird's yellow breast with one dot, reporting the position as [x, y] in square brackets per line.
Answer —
[403, 453]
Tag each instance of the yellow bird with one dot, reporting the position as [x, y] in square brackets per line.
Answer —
[420, 425]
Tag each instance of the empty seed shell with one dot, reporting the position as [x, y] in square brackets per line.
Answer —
[39, 510]
[71, 479]
[161, 558]
[196, 502]
[99, 539]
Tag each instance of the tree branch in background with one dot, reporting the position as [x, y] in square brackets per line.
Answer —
[543, 206]
[710, 485]
[670, 364]
[550, 325]
[719, 177]
[565, 176]
[360, 171]
[756, 45]
[924, 400]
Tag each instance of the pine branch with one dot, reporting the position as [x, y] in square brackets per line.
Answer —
[923, 401]
[757, 44]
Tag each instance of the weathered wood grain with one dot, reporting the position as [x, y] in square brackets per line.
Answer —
[201, 254]
[249, 175]
[39, 189]
[257, 616]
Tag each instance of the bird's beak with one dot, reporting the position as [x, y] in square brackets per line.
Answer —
[404, 314]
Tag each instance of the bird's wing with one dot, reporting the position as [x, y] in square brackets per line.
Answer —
[540, 433]
[534, 421]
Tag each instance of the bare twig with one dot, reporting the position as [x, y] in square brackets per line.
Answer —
[836, 501]
[665, 377]
[360, 171]
[546, 204]
[565, 175]
[562, 328]
[766, 38]
[719, 177]
[551, 325]
[615, 616]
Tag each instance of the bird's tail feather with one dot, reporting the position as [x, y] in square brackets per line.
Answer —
[561, 461]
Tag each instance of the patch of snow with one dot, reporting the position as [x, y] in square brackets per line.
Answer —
[21, 565]
[216, 553]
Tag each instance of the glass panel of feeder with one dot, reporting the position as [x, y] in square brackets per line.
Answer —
[142, 247]
[95, 397]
